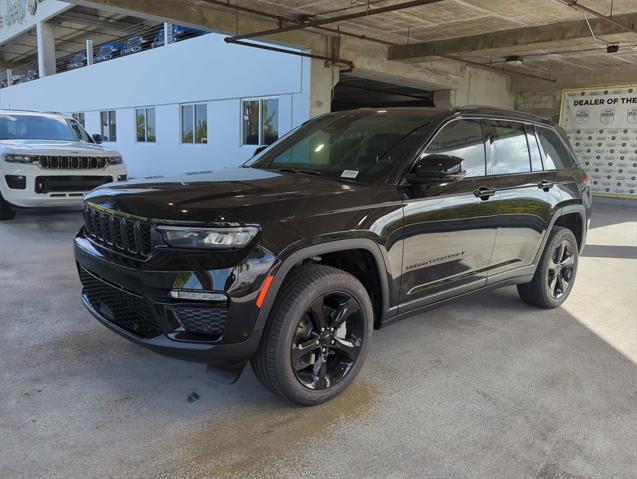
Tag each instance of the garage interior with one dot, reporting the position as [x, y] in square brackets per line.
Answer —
[353, 92]
[485, 386]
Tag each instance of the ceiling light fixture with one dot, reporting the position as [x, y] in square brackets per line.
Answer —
[514, 60]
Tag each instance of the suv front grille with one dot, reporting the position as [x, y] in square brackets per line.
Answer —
[58, 162]
[126, 310]
[127, 235]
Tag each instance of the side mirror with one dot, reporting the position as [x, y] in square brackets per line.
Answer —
[437, 169]
[97, 138]
[259, 150]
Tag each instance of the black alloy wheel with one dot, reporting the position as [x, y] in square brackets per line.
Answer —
[555, 273]
[328, 340]
[317, 335]
[561, 269]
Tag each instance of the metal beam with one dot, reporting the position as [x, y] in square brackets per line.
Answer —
[537, 36]
[307, 23]
[263, 46]
[281, 20]
[573, 4]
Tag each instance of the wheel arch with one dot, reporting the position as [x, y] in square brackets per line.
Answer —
[574, 220]
[567, 216]
[332, 250]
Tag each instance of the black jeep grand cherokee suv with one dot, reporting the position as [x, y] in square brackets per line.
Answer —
[351, 221]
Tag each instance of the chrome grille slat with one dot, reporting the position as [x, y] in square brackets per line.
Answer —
[59, 162]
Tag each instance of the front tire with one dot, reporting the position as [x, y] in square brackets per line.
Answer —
[6, 212]
[555, 274]
[317, 336]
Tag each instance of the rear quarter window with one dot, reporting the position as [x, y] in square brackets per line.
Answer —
[556, 155]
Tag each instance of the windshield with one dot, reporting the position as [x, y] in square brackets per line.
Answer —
[32, 127]
[107, 49]
[352, 146]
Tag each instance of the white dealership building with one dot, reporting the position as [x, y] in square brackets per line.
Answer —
[191, 104]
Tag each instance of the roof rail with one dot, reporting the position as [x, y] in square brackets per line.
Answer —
[487, 109]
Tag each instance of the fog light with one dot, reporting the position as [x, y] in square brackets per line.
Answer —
[197, 296]
[122, 177]
[16, 182]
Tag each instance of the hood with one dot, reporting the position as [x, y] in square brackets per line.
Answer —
[237, 195]
[54, 147]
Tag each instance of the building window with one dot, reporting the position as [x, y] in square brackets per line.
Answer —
[145, 125]
[194, 123]
[79, 117]
[109, 125]
[260, 121]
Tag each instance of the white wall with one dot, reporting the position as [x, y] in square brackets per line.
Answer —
[25, 20]
[203, 69]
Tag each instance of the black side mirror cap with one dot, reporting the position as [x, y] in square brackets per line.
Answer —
[437, 169]
[97, 138]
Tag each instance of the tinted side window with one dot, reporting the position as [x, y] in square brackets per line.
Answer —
[509, 148]
[464, 139]
[556, 155]
[534, 149]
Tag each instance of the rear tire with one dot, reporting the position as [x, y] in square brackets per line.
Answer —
[555, 274]
[317, 336]
[6, 212]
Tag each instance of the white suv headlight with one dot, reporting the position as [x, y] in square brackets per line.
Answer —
[208, 238]
[10, 158]
[115, 160]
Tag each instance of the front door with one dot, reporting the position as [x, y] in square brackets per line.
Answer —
[450, 228]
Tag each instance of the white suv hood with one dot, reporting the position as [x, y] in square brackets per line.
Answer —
[54, 147]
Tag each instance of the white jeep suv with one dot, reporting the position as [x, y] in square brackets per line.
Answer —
[47, 159]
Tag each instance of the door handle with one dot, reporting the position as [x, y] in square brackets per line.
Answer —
[545, 185]
[484, 193]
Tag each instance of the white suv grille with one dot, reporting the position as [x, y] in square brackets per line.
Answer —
[57, 162]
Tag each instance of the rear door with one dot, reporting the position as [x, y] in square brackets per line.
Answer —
[449, 227]
[528, 198]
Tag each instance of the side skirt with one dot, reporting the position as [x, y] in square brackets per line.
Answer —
[499, 284]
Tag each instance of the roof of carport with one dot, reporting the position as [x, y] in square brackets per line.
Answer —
[550, 35]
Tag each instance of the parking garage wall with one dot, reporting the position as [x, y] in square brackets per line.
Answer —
[200, 70]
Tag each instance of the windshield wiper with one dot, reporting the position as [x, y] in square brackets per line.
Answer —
[301, 170]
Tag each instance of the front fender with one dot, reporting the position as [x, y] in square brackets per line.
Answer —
[282, 269]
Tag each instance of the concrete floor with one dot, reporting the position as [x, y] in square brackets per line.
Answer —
[483, 387]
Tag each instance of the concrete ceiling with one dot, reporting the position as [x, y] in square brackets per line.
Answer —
[552, 38]
[549, 35]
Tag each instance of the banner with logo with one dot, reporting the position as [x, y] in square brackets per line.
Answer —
[601, 124]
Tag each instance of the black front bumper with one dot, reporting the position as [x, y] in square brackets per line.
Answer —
[146, 295]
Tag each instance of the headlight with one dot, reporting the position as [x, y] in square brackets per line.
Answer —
[208, 238]
[115, 160]
[20, 159]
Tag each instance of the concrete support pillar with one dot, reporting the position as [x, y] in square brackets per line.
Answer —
[89, 52]
[46, 48]
[168, 34]
[324, 79]
[9, 75]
